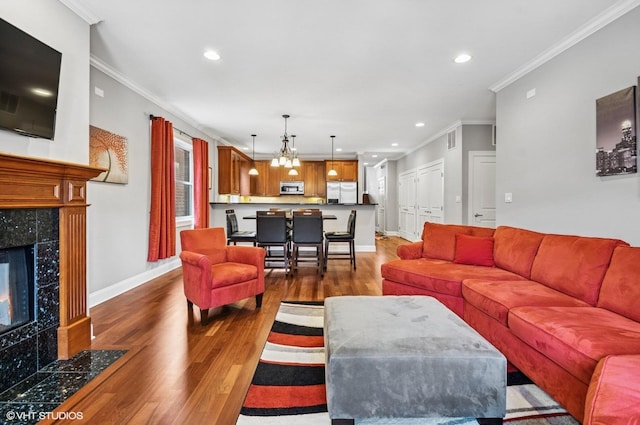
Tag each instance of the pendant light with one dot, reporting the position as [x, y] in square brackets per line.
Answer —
[332, 172]
[253, 171]
[294, 160]
[283, 156]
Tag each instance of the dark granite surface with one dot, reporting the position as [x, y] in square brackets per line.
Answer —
[42, 392]
[28, 348]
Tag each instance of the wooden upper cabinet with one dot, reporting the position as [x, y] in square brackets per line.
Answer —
[267, 182]
[315, 183]
[233, 171]
[347, 170]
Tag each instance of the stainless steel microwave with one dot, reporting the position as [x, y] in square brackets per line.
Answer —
[292, 188]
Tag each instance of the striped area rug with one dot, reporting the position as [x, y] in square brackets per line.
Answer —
[288, 386]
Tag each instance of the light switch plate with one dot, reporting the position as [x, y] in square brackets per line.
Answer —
[508, 197]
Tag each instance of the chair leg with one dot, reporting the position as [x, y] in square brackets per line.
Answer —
[204, 316]
[259, 300]
[326, 254]
[352, 247]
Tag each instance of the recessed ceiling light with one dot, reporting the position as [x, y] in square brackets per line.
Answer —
[338, 149]
[42, 92]
[212, 55]
[374, 156]
[394, 144]
[462, 58]
[365, 164]
[419, 124]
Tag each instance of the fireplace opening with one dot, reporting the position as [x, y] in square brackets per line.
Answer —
[16, 287]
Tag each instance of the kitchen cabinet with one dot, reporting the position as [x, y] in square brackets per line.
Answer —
[233, 171]
[314, 178]
[347, 170]
[267, 182]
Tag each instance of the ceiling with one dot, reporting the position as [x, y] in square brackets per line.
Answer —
[365, 71]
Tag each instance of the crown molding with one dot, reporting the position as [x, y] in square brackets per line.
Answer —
[119, 77]
[82, 11]
[592, 26]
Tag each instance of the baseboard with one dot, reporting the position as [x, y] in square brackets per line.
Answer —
[102, 295]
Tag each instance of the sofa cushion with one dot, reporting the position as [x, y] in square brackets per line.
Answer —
[575, 338]
[620, 289]
[515, 249]
[474, 250]
[614, 393]
[439, 276]
[225, 274]
[574, 265]
[440, 240]
[496, 298]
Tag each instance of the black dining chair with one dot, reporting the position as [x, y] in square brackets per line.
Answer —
[307, 232]
[234, 234]
[272, 233]
[347, 237]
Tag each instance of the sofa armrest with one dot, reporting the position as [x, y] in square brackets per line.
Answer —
[196, 270]
[410, 251]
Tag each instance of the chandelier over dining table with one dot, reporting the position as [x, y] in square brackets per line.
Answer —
[287, 156]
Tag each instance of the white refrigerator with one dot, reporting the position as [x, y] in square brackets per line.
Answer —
[342, 192]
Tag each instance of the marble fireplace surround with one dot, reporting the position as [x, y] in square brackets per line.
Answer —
[52, 195]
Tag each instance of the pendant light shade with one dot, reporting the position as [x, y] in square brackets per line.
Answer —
[253, 171]
[332, 172]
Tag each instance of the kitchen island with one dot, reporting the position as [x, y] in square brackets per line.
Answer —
[365, 240]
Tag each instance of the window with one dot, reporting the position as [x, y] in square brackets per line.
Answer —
[184, 180]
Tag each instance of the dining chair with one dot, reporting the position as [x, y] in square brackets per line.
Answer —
[234, 234]
[272, 233]
[307, 232]
[347, 237]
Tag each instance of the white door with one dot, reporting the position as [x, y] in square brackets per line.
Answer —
[382, 201]
[482, 188]
[430, 195]
[407, 205]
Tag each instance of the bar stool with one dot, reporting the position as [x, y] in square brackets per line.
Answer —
[342, 237]
[234, 234]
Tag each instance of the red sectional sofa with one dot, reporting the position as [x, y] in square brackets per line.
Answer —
[555, 305]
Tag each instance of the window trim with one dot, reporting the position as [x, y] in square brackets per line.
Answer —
[185, 220]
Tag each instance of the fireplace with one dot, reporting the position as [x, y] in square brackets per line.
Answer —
[43, 216]
[17, 285]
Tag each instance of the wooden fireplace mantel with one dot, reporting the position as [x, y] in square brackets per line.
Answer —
[41, 183]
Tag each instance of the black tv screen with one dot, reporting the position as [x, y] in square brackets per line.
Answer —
[29, 77]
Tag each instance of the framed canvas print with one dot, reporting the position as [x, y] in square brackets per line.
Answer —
[110, 151]
[616, 146]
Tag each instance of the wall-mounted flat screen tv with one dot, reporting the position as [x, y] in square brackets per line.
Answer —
[29, 78]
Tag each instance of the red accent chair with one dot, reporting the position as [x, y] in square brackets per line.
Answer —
[217, 274]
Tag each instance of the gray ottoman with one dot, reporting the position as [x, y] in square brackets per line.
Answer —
[408, 357]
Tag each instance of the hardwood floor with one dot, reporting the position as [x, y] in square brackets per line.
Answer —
[179, 372]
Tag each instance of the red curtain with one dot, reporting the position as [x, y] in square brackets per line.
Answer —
[201, 183]
[162, 220]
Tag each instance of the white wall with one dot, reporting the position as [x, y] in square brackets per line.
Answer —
[546, 144]
[119, 215]
[55, 25]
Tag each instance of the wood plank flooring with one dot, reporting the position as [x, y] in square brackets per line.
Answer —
[179, 372]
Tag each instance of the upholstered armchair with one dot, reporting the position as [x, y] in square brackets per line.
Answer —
[217, 274]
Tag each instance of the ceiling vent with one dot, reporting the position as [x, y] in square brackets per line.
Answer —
[451, 140]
